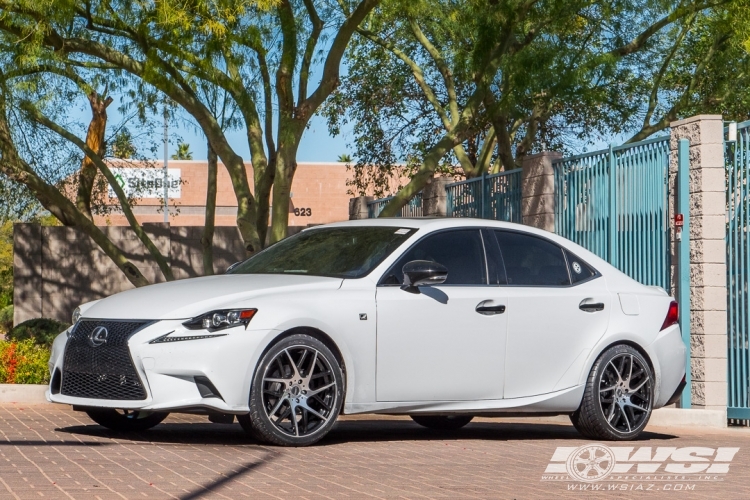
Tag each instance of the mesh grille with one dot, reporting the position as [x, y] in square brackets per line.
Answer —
[105, 371]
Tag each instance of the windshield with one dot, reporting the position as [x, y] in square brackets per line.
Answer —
[341, 252]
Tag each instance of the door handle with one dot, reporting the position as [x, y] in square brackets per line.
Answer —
[489, 310]
[591, 307]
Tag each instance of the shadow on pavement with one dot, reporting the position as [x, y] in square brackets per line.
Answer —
[359, 430]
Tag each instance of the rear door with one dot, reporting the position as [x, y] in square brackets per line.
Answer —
[558, 308]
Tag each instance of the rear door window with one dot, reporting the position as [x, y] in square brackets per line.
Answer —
[532, 261]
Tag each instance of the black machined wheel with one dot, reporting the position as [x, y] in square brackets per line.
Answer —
[618, 399]
[442, 422]
[126, 420]
[296, 394]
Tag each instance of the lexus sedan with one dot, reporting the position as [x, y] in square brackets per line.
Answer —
[438, 319]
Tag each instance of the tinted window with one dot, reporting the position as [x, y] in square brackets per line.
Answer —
[342, 252]
[579, 270]
[460, 251]
[532, 261]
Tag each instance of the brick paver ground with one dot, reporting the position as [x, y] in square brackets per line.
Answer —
[49, 451]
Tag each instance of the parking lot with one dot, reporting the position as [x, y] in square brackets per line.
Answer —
[49, 451]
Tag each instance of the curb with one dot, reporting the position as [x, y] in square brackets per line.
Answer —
[688, 417]
[23, 393]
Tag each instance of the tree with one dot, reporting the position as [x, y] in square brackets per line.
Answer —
[39, 150]
[267, 50]
[471, 87]
[183, 152]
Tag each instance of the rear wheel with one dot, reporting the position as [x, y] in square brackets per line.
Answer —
[296, 393]
[442, 422]
[619, 395]
[126, 420]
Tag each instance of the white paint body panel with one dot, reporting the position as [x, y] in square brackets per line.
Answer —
[413, 353]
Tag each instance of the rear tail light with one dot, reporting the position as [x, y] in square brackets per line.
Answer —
[673, 316]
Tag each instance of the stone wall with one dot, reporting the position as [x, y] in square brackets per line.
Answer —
[708, 273]
[57, 268]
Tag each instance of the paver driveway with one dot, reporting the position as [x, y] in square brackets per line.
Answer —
[49, 451]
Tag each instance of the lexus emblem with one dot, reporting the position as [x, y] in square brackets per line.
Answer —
[98, 336]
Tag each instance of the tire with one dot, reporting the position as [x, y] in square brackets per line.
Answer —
[618, 398]
[296, 394]
[442, 422]
[126, 420]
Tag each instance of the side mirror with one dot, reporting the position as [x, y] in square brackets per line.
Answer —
[423, 273]
[232, 267]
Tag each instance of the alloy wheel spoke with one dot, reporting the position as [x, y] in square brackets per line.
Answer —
[294, 365]
[312, 367]
[630, 373]
[617, 372]
[636, 389]
[314, 412]
[607, 389]
[276, 408]
[625, 416]
[320, 389]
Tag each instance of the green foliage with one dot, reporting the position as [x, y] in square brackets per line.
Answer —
[183, 152]
[23, 362]
[40, 330]
[345, 158]
[6, 319]
[6, 265]
[122, 144]
[569, 73]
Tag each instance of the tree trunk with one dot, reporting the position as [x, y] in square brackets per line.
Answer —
[286, 165]
[207, 240]
[95, 141]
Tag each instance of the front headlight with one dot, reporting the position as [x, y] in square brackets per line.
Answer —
[219, 320]
[76, 315]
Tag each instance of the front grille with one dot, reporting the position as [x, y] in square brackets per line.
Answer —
[104, 371]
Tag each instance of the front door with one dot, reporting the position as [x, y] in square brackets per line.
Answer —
[435, 345]
[558, 308]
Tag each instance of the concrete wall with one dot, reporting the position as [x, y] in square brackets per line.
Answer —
[58, 268]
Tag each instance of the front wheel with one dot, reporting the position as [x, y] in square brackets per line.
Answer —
[296, 393]
[126, 420]
[442, 422]
[618, 398]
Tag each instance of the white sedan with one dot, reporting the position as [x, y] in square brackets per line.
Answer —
[439, 319]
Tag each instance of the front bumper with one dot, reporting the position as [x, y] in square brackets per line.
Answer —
[168, 371]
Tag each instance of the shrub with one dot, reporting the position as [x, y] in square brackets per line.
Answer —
[41, 330]
[6, 319]
[23, 362]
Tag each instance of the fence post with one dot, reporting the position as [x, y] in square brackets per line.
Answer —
[434, 198]
[612, 234]
[682, 280]
[708, 276]
[538, 190]
[358, 207]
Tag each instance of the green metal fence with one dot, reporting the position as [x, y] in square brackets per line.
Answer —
[614, 202]
[411, 209]
[737, 155]
[496, 196]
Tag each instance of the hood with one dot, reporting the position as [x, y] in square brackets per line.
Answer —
[188, 298]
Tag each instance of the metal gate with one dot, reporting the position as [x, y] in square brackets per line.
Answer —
[737, 157]
[493, 196]
[614, 202]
